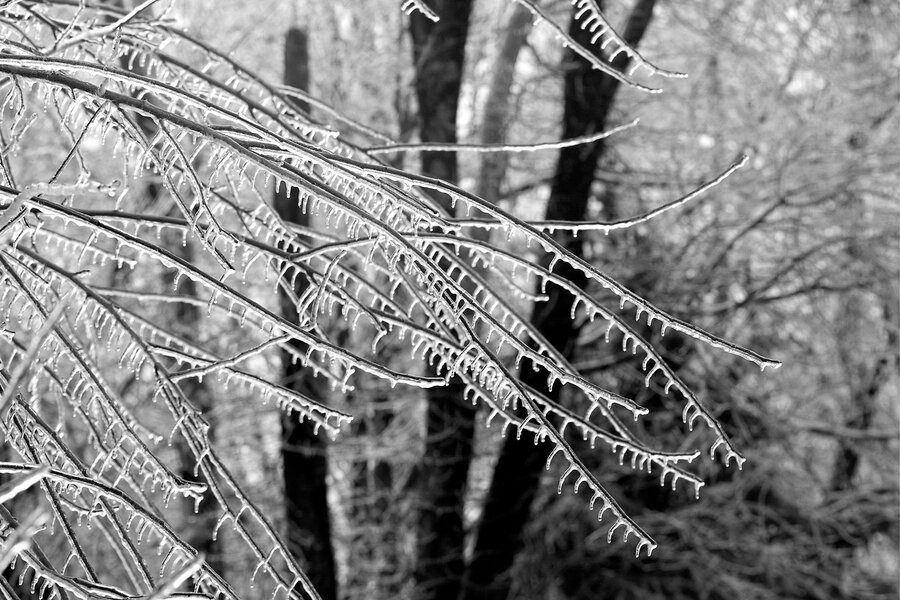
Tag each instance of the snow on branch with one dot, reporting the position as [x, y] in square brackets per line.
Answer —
[588, 14]
[413, 6]
[510, 148]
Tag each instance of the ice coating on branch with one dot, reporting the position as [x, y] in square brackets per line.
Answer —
[382, 260]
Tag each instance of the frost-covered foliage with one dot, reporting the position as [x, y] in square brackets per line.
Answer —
[119, 101]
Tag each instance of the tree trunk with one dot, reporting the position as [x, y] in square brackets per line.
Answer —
[438, 52]
[305, 466]
[496, 118]
[589, 96]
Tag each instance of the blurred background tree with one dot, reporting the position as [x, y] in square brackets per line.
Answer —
[799, 254]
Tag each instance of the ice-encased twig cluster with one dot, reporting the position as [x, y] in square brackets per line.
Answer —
[88, 272]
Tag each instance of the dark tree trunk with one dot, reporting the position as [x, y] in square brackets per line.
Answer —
[496, 118]
[305, 466]
[438, 52]
[589, 96]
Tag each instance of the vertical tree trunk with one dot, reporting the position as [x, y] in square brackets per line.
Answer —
[496, 118]
[305, 466]
[588, 98]
[438, 52]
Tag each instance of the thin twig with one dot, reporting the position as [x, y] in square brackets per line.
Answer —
[92, 33]
[487, 148]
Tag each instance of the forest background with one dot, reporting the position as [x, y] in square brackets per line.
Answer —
[796, 255]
